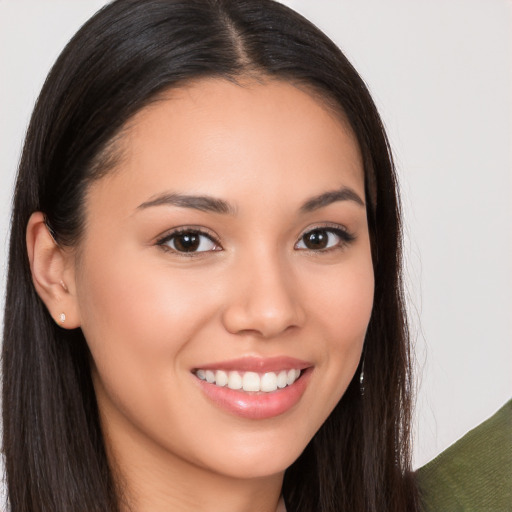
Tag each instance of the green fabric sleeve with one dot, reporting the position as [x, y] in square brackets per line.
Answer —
[475, 473]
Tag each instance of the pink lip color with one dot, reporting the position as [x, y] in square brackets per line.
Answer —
[258, 364]
[258, 405]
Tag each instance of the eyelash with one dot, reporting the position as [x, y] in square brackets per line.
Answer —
[345, 238]
[162, 242]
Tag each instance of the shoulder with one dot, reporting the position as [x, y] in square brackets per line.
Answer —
[475, 473]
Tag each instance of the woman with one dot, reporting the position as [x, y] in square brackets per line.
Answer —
[204, 305]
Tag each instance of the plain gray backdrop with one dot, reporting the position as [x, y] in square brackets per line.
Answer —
[441, 74]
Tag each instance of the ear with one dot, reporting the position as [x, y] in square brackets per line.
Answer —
[53, 273]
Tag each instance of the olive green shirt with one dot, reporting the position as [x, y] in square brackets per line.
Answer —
[475, 473]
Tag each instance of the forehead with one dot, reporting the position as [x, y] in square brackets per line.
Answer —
[218, 137]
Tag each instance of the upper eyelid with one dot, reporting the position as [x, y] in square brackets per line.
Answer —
[162, 241]
[166, 235]
[327, 226]
[346, 236]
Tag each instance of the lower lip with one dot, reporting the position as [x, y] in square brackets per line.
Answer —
[257, 406]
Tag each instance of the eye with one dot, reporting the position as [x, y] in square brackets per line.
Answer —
[320, 239]
[189, 241]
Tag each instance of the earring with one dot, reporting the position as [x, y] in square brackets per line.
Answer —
[62, 318]
[361, 380]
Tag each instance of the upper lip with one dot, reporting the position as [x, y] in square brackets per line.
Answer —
[258, 364]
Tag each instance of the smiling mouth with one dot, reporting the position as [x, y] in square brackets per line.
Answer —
[267, 382]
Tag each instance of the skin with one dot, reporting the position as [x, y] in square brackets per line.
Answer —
[151, 314]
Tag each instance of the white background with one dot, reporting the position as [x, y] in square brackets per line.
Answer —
[441, 74]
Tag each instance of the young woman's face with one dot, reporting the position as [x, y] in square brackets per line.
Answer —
[228, 248]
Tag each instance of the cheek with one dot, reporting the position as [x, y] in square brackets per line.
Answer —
[137, 319]
[342, 299]
[134, 301]
[341, 309]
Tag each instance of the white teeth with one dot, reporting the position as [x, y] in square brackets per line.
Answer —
[234, 380]
[282, 378]
[268, 382]
[221, 378]
[250, 381]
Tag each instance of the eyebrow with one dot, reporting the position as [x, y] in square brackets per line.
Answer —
[202, 203]
[206, 203]
[333, 196]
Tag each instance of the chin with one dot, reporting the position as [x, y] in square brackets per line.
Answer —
[259, 458]
[248, 468]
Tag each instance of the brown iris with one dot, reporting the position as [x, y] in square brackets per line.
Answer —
[187, 242]
[316, 239]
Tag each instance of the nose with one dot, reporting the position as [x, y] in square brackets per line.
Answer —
[263, 300]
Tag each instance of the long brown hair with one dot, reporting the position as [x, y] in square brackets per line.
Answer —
[119, 61]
